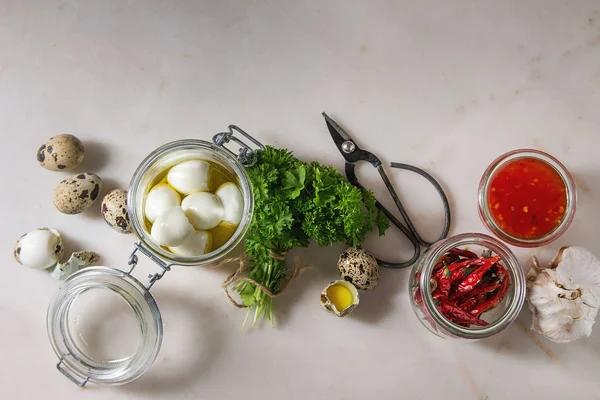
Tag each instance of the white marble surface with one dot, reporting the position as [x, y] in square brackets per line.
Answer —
[446, 85]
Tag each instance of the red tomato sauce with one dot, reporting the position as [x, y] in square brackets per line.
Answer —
[527, 198]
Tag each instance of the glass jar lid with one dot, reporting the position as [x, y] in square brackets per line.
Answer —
[105, 327]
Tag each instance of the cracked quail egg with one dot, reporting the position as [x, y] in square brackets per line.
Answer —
[75, 194]
[339, 298]
[39, 249]
[61, 153]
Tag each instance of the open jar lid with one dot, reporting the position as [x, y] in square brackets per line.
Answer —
[105, 327]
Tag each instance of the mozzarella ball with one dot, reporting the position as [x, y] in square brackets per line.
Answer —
[203, 209]
[160, 199]
[171, 228]
[196, 244]
[233, 203]
[190, 176]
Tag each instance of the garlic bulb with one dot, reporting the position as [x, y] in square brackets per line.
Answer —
[565, 297]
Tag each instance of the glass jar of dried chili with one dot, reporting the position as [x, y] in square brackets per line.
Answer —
[501, 305]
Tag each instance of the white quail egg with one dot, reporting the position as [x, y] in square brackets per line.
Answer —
[203, 209]
[196, 244]
[115, 212]
[171, 228]
[61, 153]
[190, 176]
[73, 195]
[161, 198]
[39, 249]
[233, 203]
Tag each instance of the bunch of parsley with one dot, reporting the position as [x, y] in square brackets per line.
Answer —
[294, 203]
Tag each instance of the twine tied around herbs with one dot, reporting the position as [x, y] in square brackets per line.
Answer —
[236, 277]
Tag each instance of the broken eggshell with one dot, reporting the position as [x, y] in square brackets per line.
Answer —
[340, 298]
[115, 211]
[39, 249]
[78, 260]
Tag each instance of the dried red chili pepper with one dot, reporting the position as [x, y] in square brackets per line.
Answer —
[475, 277]
[444, 260]
[418, 296]
[445, 284]
[462, 253]
[482, 288]
[497, 296]
[468, 303]
[458, 265]
[455, 314]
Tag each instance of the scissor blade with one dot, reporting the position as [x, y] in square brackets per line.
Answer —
[337, 132]
[339, 136]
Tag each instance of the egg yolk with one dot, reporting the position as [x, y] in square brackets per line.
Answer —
[340, 296]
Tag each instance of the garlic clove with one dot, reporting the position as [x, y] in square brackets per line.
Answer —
[39, 249]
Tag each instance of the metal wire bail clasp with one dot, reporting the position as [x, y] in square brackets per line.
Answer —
[246, 154]
[133, 261]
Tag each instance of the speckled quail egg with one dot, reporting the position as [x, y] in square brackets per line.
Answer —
[61, 153]
[171, 228]
[203, 209]
[39, 249]
[160, 198]
[190, 176]
[73, 195]
[339, 298]
[196, 244]
[233, 203]
[115, 211]
[359, 267]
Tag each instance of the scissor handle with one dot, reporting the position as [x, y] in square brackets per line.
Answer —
[438, 188]
[351, 175]
[410, 231]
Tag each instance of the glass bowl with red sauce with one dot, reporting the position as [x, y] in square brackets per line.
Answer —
[527, 198]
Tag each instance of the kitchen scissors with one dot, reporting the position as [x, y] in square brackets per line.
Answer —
[354, 154]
